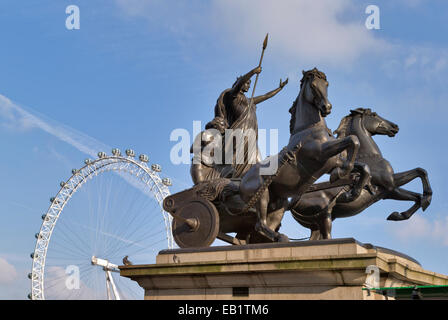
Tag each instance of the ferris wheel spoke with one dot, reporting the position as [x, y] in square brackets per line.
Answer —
[72, 246]
[137, 242]
[127, 222]
[141, 240]
[132, 236]
[144, 221]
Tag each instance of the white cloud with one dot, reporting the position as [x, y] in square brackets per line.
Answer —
[13, 120]
[56, 288]
[304, 30]
[425, 60]
[420, 228]
[440, 231]
[308, 31]
[8, 272]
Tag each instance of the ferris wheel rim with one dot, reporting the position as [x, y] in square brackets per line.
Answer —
[94, 167]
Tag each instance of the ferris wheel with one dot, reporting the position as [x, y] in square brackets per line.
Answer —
[113, 214]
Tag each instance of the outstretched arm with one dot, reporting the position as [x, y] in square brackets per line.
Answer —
[244, 79]
[270, 94]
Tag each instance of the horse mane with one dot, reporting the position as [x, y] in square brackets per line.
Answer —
[342, 130]
[292, 111]
[313, 72]
[344, 125]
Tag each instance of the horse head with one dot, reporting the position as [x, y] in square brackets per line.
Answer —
[376, 124]
[314, 85]
[370, 121]
[313, 93]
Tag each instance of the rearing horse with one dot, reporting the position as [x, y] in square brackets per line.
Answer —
[316, 210]
[312, 151]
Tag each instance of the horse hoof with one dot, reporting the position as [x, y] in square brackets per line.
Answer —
[258, 227]
[426, 201]
[265, 232]
[282, 238]
[396, 216]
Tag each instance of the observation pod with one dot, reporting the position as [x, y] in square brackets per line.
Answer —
[156, 167]
[167, 182]
[143, 158]
[116, 152]
[102, 155]
[130, 153]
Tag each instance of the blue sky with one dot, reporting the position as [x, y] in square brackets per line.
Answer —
[136, 70]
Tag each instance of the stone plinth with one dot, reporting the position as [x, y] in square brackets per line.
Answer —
[325, 269]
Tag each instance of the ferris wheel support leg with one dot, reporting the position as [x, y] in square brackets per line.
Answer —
[114, 287]
[108, 286]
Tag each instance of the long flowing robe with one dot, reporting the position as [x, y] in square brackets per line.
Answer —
[233, 106]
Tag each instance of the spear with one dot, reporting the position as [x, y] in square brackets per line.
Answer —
[265, 44]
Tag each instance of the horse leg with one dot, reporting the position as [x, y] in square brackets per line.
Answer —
[325, 221]
[273, 222]
[335, 147]
[262, 212]
[402, 178]
[325, 224]
[355, 191]
[405, 195]
[315, 234]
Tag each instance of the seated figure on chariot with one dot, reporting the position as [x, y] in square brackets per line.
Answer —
[235, 118]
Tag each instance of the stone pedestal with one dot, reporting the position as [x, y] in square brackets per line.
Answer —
[325, 269]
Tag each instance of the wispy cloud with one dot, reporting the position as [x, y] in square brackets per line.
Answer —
[8, 272]
[421, 62]
[17, 117]
[419, 228]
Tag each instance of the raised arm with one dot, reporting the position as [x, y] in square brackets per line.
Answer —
[270, 94]
[242, 80]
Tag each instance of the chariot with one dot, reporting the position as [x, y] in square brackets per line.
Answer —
[214, 210]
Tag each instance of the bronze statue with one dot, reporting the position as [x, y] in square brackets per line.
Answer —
[249, 198]
[240, 113]
[234, 113]
[316, 210]
[253, 207]
[204, 167]
[312, 151]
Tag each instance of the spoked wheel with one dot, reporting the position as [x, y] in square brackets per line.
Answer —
[106, 214]
[196, 224]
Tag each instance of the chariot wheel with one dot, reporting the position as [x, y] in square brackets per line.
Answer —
[106, 214]
[196, 224]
